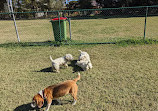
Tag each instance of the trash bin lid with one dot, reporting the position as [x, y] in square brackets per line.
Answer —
[61, 18]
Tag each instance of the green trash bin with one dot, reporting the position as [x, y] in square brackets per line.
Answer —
[59, 29]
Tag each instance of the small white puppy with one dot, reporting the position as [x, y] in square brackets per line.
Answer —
[60, 61]
[84, 61]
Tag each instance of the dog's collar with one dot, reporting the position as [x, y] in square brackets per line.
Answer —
[41, 93]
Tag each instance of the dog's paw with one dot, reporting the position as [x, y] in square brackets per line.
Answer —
[74, 102]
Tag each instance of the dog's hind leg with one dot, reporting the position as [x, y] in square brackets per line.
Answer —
[74, 94]
[52, 69]
[74, 102]
[90, 65]
[59, 101]
[56, 67]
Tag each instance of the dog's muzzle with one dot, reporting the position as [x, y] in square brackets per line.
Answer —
[33, 105]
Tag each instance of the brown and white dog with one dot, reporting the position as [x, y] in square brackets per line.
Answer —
[56, 91]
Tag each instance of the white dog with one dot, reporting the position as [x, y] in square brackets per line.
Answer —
[83, 65]
[61, 61]
[84, 61]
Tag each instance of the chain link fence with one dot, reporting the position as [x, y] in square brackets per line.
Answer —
[84, 26]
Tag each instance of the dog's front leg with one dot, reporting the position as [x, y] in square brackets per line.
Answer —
[48, 106]
[49, 101]
[66, 65]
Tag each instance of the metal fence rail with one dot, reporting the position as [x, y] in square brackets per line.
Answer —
[84, 26]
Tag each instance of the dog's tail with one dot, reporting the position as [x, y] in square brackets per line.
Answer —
[51, 58]
[78, 78]
[79, 50]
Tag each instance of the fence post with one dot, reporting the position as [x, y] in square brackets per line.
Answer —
[11, 11]
[59, 25]
[69, 19]
[145, 22]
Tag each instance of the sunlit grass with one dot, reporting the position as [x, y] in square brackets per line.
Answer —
[123, 78]
[87, 30]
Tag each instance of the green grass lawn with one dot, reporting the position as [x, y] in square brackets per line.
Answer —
[83, 31]
[122, 79]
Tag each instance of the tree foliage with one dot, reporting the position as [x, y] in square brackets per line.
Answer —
[85, 4]
[47, 5]
[2, 5]
[34, 5]
[72, 5]
[126, 3]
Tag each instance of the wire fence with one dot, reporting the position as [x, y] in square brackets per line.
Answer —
[84, 26]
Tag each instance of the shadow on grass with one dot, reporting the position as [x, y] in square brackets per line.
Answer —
[24, 107]
[49, 69]
[72, 64]
[72, 42]
[136, 42]
[29, 44]
[44, 43]
[27, 107]
[75, 67]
